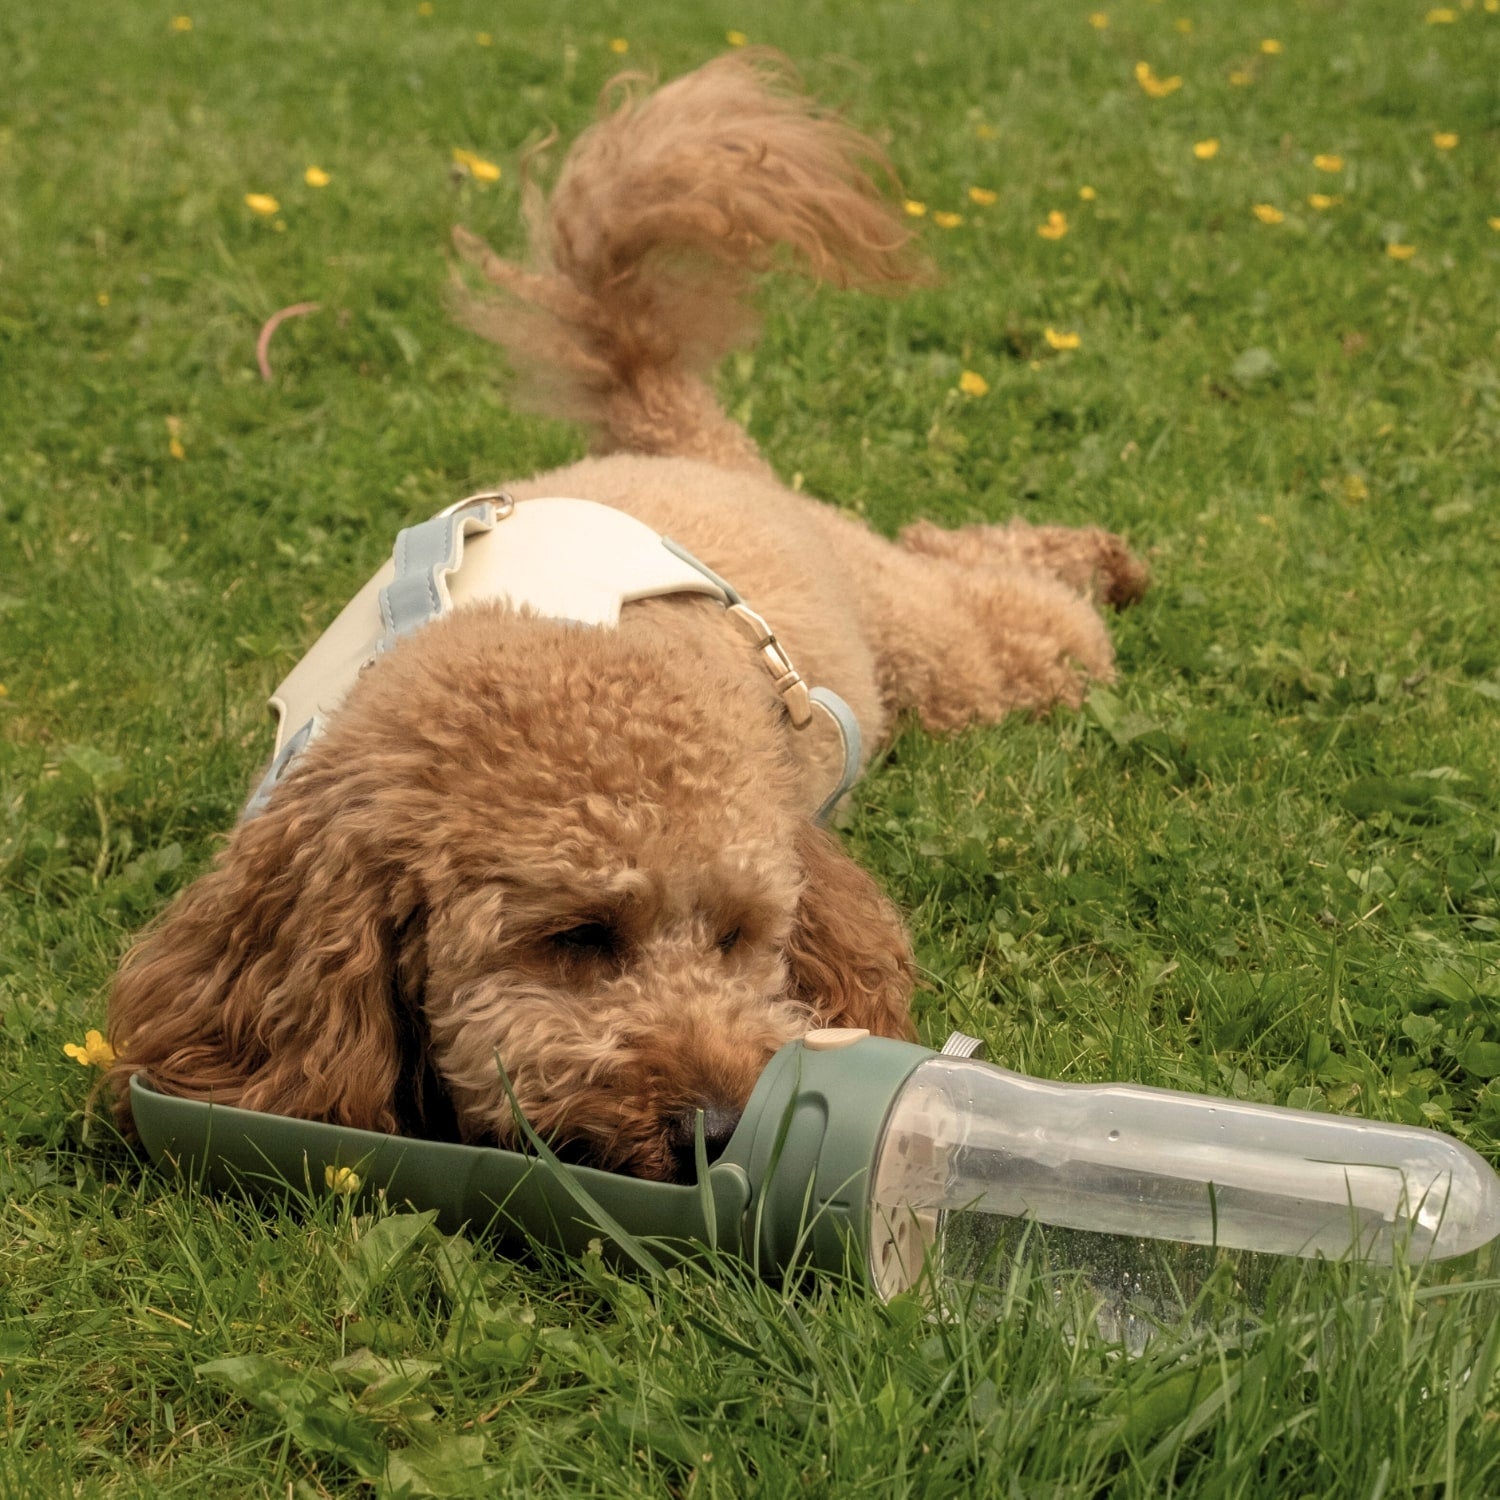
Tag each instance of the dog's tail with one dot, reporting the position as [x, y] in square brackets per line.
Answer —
[662, 216]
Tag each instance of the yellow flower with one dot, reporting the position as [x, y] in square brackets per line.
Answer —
[316, 177]
[1099, 21]
[1442, 16]
[102, 298]
[1270, 46]
[1445, 140]
[619, 46]
[945, 220]
[983, 196]
[483, 171]
[1206, 150]
[736, 38]
[1267, 213]
[1184, 24]
[1055, 227]
[1494, 220]
[1322, 201]
[174, 438]
[262, 203]
[1154, 87]
[986, 132]
[1328, 162]
[915, 207]
[1241, 77]
[972, 383]
[182, 23]
[1400, 252]
[1087, 193]
[95, 1052]
[342, 1180]
[425, 8]
[1355, 489]
[483, 39]
[1492, 6]
[1056, 340]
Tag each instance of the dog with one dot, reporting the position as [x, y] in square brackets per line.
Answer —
[585, 859]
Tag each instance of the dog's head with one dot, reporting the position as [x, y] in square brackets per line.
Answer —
[523, 850]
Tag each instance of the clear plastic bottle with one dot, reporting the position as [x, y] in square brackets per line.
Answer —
[972, 1152]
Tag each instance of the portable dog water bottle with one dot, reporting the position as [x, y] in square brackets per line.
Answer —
[857, 1151]
[901, 1150]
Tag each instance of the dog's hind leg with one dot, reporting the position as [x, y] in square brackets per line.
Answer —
[1086, 558]
[973, 636]
[975, 643]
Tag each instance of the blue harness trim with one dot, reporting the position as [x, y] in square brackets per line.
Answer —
[424, 558]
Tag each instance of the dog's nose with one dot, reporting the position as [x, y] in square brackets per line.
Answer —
[719, 1121]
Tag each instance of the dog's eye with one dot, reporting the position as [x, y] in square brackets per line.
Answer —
[730, 941]
[588, 940]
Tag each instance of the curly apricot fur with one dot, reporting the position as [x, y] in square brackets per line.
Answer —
[584, 856]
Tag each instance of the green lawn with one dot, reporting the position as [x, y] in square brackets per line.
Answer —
[1266, 864]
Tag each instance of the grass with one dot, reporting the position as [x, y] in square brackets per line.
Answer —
[1266, 864]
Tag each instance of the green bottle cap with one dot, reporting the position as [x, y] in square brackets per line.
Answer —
[807, 1144]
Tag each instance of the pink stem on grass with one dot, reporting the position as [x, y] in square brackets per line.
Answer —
[263, 343]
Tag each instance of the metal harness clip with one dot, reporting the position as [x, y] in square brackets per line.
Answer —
[502, 500]
[788, 680]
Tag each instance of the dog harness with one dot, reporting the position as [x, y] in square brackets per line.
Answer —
[564, 559]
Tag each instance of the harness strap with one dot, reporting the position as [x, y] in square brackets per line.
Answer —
[799, 699]
[426, 555]
[294, 746]
[848, 728]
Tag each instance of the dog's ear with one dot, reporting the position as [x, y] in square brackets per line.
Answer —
[271, 982]
[849, 958]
